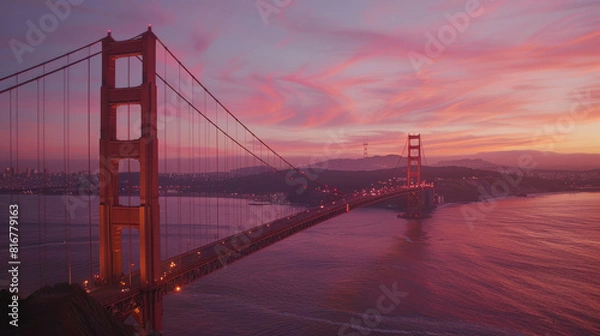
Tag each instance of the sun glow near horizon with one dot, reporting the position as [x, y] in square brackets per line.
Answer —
[510, 77]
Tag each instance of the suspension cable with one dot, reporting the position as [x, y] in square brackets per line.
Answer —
[220, 129]
[69, 64]
[215, 124]
[401, 154]
[49, 73]
[50, 61]
[227, 110]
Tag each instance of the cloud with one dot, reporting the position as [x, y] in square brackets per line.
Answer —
[317, 67]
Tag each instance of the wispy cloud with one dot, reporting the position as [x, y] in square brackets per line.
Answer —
[332, 65]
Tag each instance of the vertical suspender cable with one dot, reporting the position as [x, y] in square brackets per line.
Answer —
[65, 170]
[45, 164]
[238, 168]
[129, 169]
[262, 209]
[39, 193]
[10, 145]
[247, 164]
[179, 175]
[200, 182]
[17, 132]
[193, 223]
[191, 170]
[422, 150]
[89, 163]
[166, 109]
[218, 172]
[202, 136]
[68, 171]
[68, 167]
[226, 144]
[207, 233]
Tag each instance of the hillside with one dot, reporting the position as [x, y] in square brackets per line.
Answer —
[457, 184]
[485, 160]
[64, 310]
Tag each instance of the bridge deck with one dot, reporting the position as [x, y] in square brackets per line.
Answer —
[184, 268]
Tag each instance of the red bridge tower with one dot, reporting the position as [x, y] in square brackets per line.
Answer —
[413, 176]
[114, 216]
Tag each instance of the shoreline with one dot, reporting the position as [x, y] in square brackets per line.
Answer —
[253, 198]
[531, 195]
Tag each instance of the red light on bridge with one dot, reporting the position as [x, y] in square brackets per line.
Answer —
[178, 289]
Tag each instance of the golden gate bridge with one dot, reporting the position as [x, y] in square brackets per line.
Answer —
[129, 228]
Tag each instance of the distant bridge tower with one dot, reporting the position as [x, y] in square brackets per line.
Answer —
[114, 216]
[413, 175]
[365, 146]
[414, 160]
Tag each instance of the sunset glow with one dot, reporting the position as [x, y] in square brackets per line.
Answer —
[470, 76]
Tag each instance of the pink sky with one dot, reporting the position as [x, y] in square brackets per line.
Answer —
[517, 75]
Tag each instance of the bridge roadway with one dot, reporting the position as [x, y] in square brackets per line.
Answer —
[189, 266]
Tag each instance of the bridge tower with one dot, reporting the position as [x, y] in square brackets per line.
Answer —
[413, 176]
[114, 216]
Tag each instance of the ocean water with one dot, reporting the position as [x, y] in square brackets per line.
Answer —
[58, 235]
[515, 266]
[525, 266]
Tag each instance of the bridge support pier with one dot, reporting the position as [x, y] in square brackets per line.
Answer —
[414, 208]
[152, 312]
[114, 216]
